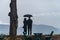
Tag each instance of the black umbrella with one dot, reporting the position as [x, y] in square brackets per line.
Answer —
[28, 15]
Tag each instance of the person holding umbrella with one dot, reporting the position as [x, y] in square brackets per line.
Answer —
[29, 23]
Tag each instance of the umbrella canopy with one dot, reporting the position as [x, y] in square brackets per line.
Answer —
[28, 15]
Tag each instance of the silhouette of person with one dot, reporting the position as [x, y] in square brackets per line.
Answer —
[25, 26]
[29, 23]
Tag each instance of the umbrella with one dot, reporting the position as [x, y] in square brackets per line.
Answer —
[28, 15]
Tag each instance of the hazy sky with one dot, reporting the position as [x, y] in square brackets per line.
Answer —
[43, 11]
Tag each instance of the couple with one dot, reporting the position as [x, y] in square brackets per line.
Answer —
[27, 26]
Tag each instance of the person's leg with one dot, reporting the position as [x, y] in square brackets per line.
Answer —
[25, 30]
[30, 30]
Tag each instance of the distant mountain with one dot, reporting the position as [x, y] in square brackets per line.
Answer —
[4, 29]
[45, 29]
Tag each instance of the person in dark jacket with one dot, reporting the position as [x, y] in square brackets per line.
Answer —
[29, 23]
[25, 26]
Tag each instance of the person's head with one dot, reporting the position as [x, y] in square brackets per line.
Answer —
[29, 17]
[24, 18]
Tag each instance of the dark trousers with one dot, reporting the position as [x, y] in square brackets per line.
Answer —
[29, 30]
[25, 30]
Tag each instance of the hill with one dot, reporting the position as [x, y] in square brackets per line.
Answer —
[45, 29]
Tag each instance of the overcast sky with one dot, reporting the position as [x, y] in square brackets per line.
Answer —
[43, 11]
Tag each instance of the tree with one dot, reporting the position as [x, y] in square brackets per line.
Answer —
[13, 20]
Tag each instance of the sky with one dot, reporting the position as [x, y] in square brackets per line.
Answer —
[44, 11]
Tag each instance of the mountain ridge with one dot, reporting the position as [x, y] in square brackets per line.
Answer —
[45, 29]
